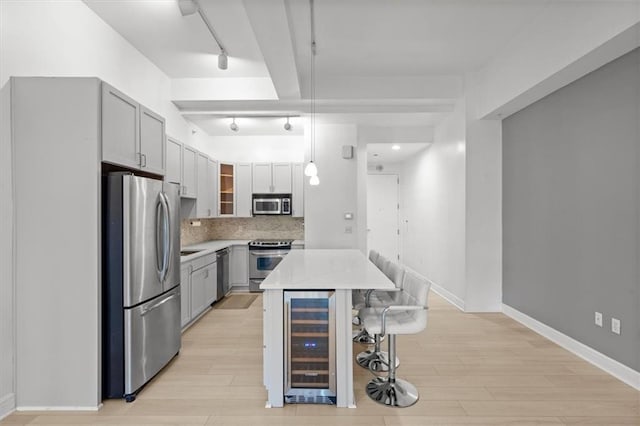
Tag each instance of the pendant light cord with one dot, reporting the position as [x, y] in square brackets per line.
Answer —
[313, 81]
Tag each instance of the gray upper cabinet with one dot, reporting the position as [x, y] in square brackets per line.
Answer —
[271, 178]
[189, 179]
[203, 207]
[152, 141]
[174, 162]
[132, 135]
[212, 182]
[281, 178]
[243, 189]
[120, 131]
[261, 178]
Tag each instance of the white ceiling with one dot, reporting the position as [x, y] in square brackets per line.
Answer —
[182, 47]
[379, 62]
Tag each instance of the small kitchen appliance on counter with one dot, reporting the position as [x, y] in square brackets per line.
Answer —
[141, 281]
[264, 256]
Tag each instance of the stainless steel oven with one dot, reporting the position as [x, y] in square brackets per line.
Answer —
[264, 256]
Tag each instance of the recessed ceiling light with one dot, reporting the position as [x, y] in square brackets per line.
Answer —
[395, 147]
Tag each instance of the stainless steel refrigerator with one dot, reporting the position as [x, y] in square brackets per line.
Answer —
[141, 281]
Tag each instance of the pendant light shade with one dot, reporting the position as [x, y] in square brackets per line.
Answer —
[311, 169]
[314, 180]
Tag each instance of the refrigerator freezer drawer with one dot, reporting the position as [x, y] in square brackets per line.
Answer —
[152, 338]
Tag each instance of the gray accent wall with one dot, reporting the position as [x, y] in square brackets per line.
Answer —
[571, 201]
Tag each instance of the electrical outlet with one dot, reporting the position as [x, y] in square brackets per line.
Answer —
[599, 319]
[348, 229]
[615, 325]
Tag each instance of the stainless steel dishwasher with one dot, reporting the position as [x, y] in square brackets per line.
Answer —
[222, 259]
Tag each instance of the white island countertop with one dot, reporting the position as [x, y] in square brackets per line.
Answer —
[324, 269]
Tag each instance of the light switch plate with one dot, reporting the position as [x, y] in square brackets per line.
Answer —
[598, 319]
[615, 325]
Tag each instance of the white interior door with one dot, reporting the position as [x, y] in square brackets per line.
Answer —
[382, 215]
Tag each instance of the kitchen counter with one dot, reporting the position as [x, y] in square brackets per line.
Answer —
[209, 247]
[326, 269]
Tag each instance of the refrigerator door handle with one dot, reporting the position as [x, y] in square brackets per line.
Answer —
[145, 311]
[167, 236]
[162, 236]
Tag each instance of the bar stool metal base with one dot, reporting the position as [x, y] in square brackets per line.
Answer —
[363, 337]
[376, 361]
[398, 393]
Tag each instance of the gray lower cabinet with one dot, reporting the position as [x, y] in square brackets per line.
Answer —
[185, 294]
[199, 286]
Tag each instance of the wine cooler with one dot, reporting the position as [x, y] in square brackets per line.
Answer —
[310, 368]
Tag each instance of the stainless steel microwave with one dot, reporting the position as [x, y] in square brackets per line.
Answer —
[271, 204]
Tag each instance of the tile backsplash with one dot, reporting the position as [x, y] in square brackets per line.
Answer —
[241, 228]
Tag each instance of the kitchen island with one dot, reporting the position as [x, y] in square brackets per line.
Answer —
[336, 270]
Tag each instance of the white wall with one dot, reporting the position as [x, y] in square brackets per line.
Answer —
[53, 38]
[433, 223]
[254, 149]
[325, 204]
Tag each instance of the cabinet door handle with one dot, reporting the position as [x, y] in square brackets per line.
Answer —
[206, 273]
[139, 160]
[144, 158]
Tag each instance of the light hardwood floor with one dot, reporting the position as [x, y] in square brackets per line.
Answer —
[480, 369]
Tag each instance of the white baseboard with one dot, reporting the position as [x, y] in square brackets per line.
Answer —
[7, 405]
[448, 296]
[600, 360]
[45, 408]
[441, 291]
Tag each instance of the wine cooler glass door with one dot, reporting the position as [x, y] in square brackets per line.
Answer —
[310, 345]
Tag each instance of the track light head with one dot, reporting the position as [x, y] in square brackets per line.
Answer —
[233, 126]
[287, 125]
[222, 60]
[187, 7]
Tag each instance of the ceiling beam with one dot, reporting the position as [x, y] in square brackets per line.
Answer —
[270, 24]
[327, 106]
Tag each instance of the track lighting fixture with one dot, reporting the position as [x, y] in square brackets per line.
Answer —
[233, 126]
[287, 125]
[189, 7]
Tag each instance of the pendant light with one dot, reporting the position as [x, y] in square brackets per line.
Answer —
[287, 125]
[311, 170]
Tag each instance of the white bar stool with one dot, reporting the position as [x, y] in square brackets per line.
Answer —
[409, 317]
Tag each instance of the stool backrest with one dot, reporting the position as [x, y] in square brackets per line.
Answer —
[395, 273]
[415, 291]
[373, 256]
[382, 262]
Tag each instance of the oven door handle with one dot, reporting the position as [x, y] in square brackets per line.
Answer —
[268, 253]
